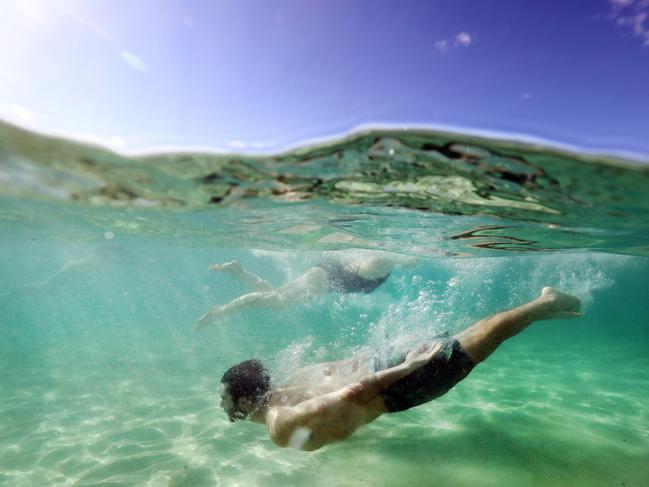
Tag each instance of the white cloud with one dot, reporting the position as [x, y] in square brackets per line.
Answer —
[441, 45]
[632, 15]
[237, 144]
[461, 39]
[261, 145]
[134, 61]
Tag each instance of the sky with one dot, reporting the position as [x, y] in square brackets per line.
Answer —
[262, 75]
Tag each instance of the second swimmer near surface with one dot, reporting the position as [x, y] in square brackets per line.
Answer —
[351, 275]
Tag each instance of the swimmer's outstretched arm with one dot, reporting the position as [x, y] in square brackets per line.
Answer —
[301, 289]
[268, 299]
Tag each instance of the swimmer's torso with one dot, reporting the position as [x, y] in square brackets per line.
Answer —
[335, 414]
[319, 379]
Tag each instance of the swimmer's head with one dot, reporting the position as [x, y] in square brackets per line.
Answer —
[244, 389]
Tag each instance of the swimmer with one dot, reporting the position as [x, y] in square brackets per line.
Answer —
[351, 275]
[325, 403]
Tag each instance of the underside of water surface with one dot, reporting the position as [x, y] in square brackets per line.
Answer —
[104, 259]
[431, 193]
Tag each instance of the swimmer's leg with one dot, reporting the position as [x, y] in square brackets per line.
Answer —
[311, 283]
[251, 280]
[481, 340]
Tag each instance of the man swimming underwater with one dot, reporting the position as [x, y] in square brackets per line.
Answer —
[357, 274]
[327, 402]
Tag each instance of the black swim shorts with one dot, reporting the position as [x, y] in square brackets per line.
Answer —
[449, 365]
[343, 280]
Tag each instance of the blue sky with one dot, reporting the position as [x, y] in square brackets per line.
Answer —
[261, 75]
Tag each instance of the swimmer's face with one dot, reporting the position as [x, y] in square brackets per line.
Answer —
[228, 404]
[234, 411]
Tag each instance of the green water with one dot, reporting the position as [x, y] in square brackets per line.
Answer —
[104, 382]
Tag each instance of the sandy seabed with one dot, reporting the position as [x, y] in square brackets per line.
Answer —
[531, 416]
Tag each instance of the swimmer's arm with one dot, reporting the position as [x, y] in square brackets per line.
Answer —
[369, 387]
[285, 423]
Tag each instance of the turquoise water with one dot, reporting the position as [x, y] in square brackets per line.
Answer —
[104, 262]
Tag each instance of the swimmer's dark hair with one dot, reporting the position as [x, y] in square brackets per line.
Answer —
[248, 379]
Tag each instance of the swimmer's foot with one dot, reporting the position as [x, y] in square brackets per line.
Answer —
[233, 267]
[557, 304]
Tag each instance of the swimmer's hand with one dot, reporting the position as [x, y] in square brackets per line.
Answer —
[369, 387]
[422, 355]
[205, 320]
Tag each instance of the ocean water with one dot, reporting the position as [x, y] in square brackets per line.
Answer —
[104, 259]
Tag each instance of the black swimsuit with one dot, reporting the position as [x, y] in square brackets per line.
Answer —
[343, 280]
[447, 367]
